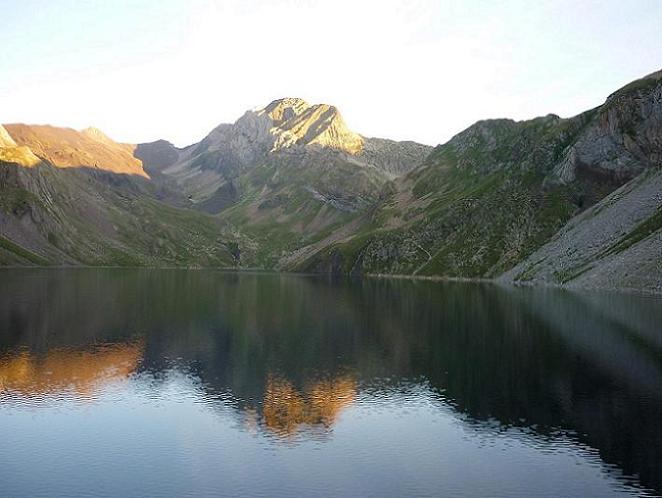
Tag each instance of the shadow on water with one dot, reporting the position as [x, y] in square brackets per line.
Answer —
[289, 353]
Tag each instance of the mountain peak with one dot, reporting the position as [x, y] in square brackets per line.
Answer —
[648, 82]
[98, 135]
[296, 122]
[286, 108]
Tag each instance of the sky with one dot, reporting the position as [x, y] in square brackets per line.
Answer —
[419, 70]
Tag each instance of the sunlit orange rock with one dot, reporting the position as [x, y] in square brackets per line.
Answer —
[10, 152]
[69, 148]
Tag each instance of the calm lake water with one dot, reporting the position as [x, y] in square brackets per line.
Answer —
[203, 383]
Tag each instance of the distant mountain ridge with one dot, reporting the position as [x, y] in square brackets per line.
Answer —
[565, 201]
[69, 148]
[286, 127]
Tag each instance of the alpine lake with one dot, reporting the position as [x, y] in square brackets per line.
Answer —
[160, 383]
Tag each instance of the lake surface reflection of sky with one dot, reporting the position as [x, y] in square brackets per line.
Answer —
[201, 383]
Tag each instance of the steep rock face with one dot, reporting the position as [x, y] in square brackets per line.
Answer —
[68, 148]
[624, 138]
[287, 126]
[295, 122]
[286, 123]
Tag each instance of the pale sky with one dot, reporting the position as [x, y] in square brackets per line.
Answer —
[403, 69]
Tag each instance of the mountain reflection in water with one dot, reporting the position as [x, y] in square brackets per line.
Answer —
[81, 372]
[286, 409]
[295, 358]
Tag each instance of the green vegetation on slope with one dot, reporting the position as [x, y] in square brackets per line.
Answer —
[13, 254]
[479, 205]
[643, 230]
[74, 217]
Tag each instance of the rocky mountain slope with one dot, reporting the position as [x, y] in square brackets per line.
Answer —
[82, 211]
[618, 241]
[615, 243]
[284, 175]
[291, 132]
[68, 148]
[496, 193]
[570, 201]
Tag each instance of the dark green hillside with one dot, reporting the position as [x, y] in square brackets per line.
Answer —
[501, 189]
[56, 216]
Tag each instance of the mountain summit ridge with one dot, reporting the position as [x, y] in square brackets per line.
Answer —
[296, 122]
[69, 148]
[288, 131]
[289, 122]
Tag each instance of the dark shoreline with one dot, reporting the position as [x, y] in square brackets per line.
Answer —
[429, 278]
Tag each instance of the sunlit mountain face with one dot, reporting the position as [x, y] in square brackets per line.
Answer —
[68, 148]
[405, 380]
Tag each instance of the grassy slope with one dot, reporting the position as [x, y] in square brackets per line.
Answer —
[287, 204]
[477, 207]
[480, 204]
[73, 217]
[493, 194]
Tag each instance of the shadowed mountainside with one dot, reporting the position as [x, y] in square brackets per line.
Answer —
[500, 190]
[73, 216]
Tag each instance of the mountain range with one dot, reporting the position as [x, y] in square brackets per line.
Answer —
[565, 201]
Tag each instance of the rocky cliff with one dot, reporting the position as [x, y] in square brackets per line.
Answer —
[287, 128]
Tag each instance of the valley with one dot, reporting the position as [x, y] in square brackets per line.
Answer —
[289, 187]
